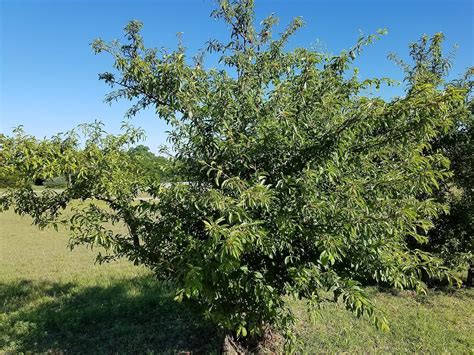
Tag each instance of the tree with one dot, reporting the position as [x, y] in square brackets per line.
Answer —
[296, 181]
[155, 168]
[452, 237]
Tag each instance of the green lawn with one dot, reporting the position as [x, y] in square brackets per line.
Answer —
[52, 299]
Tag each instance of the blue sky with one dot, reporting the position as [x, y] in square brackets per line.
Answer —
[48, 73]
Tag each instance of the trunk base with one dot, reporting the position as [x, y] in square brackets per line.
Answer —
[231, 347]
[270, 343]
[470, 276]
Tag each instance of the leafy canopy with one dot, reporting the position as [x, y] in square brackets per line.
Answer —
[156, 168]
[296, 182]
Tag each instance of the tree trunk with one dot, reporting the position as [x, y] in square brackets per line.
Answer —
[230, 347]
[269, 344]
[470, 275]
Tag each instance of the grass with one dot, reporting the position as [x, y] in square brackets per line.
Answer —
[55, 300]
[437, 323]
[52, 299]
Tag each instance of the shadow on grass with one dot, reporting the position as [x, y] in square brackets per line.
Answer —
[125, 316]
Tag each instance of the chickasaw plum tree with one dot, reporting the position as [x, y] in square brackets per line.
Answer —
[296, 181]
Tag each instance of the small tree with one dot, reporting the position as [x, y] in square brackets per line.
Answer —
[296, 182]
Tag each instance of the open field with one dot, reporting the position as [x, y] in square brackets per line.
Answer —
[52, 299]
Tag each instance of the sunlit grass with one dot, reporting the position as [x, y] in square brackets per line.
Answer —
[437, 323]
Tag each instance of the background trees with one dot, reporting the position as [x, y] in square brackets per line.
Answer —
[296, 182]
[156, 168]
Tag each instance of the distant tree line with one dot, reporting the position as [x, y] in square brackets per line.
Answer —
[155, 167]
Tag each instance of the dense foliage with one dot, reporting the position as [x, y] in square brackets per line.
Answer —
[453, 235]
[156, 168]
[6, 180]
[296, 181]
